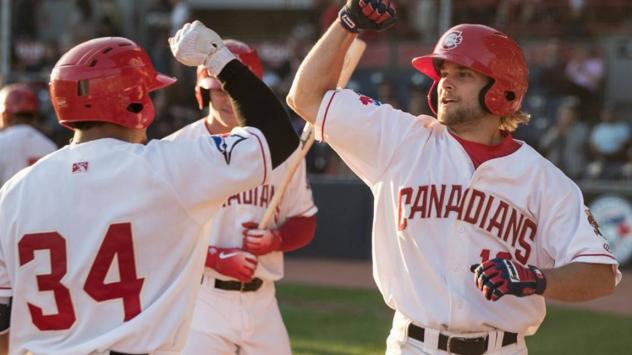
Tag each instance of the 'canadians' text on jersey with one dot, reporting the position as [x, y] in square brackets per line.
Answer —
[490, 214]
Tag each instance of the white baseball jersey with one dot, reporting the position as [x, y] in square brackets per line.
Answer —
[435, 215]
[21, 146]
[102, 244]
[250, 205]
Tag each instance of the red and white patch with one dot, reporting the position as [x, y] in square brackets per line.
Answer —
[80, 167]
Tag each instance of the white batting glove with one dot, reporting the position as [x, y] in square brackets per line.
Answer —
[195, 44]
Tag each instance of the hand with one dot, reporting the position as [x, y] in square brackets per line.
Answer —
[232, 262]
[194, 43]
[499, 277]
[260, 241]
[377, 15]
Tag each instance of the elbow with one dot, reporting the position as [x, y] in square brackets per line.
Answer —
[290, 99]
[609, 286]
[296, 99]
[608, 277]
[304, 102]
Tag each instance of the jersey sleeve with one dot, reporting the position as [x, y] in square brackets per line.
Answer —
[211, 168]
[298, 200]
[365, 133]
[571, 235]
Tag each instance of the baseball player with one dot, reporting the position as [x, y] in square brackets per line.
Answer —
[236, 310]
[457, 193]
[102, 243]
[21, 144]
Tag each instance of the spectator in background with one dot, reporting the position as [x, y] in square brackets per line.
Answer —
[424, 19]
[585, 74]
[564, 143]
[82, 24]
[180, 15]
[386, 93]
[474, 11]
[110, 22]
[157, 27]
[609, 144]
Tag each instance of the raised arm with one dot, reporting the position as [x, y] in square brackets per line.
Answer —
[320, 70]
[255, 104]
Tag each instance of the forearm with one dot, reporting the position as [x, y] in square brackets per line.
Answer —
[578, 282]
[4, 343]
[319, 71]
[297, 232]
[255, 105]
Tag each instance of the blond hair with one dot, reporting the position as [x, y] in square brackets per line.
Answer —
[511, 123]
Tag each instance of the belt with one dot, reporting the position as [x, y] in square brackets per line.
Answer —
[461, 345]
[253, 285]
[120, 353]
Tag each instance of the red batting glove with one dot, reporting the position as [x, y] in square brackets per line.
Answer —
[260, 241]
[499, 277]
[232, 262]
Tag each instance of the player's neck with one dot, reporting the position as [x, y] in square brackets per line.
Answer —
[107, 130]
[484, 131]
[214, 126]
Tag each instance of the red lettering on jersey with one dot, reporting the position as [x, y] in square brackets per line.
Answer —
[436, 200]
[488, 206]
[528, 231]
[248, 197]
[420, 202]
[513, 225]
[498, 221]
[118, 242]
[236, 197]
[507, 223]
[80, 167]
[475, 204]
[56, 246]
[406, 192]
[264, 196]
[118, 245]
[454, 201]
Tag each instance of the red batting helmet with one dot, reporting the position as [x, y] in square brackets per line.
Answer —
[18, 98]
[243, 52]
[489, 52]
[106, 79]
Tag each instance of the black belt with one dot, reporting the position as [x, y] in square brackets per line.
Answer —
[120, 353]
[239, 286]
[460, 345]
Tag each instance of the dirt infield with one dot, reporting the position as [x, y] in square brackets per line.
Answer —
[358, 274]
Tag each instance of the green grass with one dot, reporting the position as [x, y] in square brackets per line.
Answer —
[330, 321]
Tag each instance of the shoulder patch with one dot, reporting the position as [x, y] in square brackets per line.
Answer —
[226, 143]
[367, 101]
[593, 222]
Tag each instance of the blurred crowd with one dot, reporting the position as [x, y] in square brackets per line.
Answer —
[583, 132]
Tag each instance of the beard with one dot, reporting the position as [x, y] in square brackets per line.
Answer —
[459, 115]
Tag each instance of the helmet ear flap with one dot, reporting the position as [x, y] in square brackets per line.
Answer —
[482, 95]
[499, 101]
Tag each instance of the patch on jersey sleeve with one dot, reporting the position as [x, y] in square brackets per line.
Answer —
[80, 167]
[593, 222]
[226, 143]
[368, 101]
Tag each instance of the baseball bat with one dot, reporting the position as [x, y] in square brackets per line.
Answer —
[352, 58]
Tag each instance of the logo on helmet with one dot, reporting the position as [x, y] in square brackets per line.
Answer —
[452, 40]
